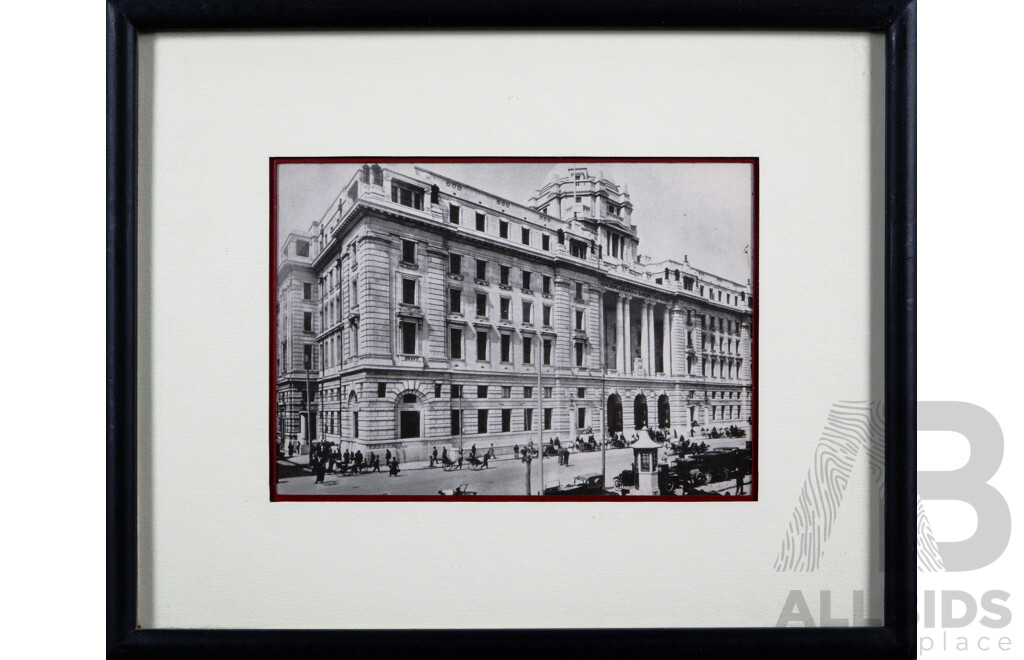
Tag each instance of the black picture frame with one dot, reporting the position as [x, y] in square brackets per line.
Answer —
[895, 18]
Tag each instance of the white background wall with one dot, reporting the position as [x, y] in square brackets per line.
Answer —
[969, 238]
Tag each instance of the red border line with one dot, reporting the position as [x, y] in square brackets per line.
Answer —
[753, 161]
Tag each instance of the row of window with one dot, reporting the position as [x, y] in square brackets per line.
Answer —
[504, 228]
[504, 307]
[483, 418]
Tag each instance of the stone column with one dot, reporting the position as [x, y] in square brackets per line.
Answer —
[620, 348]
[628, 356]
[666, 341]
[650, 337]
[645, 337]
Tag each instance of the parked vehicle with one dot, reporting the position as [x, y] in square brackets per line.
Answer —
[584, 484]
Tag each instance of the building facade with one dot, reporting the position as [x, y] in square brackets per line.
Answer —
[449, 316]
[298, 359]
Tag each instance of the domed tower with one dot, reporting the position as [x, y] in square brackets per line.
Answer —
[580, 192]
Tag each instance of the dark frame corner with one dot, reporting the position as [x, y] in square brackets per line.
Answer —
[895, 18]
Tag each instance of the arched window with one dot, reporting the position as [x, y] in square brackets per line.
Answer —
[664, 412]
[614, 414]
[639, 412]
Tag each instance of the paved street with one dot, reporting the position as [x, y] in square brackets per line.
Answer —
[503, 477]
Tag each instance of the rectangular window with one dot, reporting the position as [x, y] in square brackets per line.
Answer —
[409, 251]
[526, 236]
[455, 264]
[547, 418]
[579, 354]
[581, 418]
[506, 348]
[546, 285]
[545, 242]
[481, 304]
[481, 222]
[503, 275]
[481, 391]
[547, 314]
[307, 290]
[579, 291]
[302, 248]
[548, 392]
[506, 391]
[382, 390]
[455, 301]
[307, 356]
[528, 392]
[503, 228]
[455, 343]
[581, 393]
[527, 350]
[506, 420]
[547, 352]
[527, 311]
[355, 424]
[505, 305]
[481, 269]
[408, 291]
[528, 419]
[456, 391]
[577, 249]
[456, 422]
[453, 214]
[407, 196]
[481, 345]
[481, 421]
[579, 319]
[409, 337]
[307, 321]
[437, 390]
[526, 279]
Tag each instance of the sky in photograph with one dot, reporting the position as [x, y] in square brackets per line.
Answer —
[701, 210]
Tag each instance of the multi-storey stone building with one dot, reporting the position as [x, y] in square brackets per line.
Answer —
[298, 323]
[449, 315]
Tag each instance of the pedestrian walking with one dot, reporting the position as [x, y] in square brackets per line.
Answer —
[515, 450]
[460, 459]
[739, 482]
[387, 457]
[485, 460]
[318, 469]
[393, 471]
[433, 458]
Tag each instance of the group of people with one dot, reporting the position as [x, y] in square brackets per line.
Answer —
[732, 431]
[444, 459]
[325, 458]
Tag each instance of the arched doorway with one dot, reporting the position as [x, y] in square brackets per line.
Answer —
[639, 412]
[614, 414]
[409, 408]
[664, 412]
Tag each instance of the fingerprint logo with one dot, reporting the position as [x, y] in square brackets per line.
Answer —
[852, 427]
[928, 558]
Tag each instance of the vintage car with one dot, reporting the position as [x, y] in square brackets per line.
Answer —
[584, 484]
[695, 470]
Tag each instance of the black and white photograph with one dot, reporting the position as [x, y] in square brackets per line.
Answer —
[514, 328]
